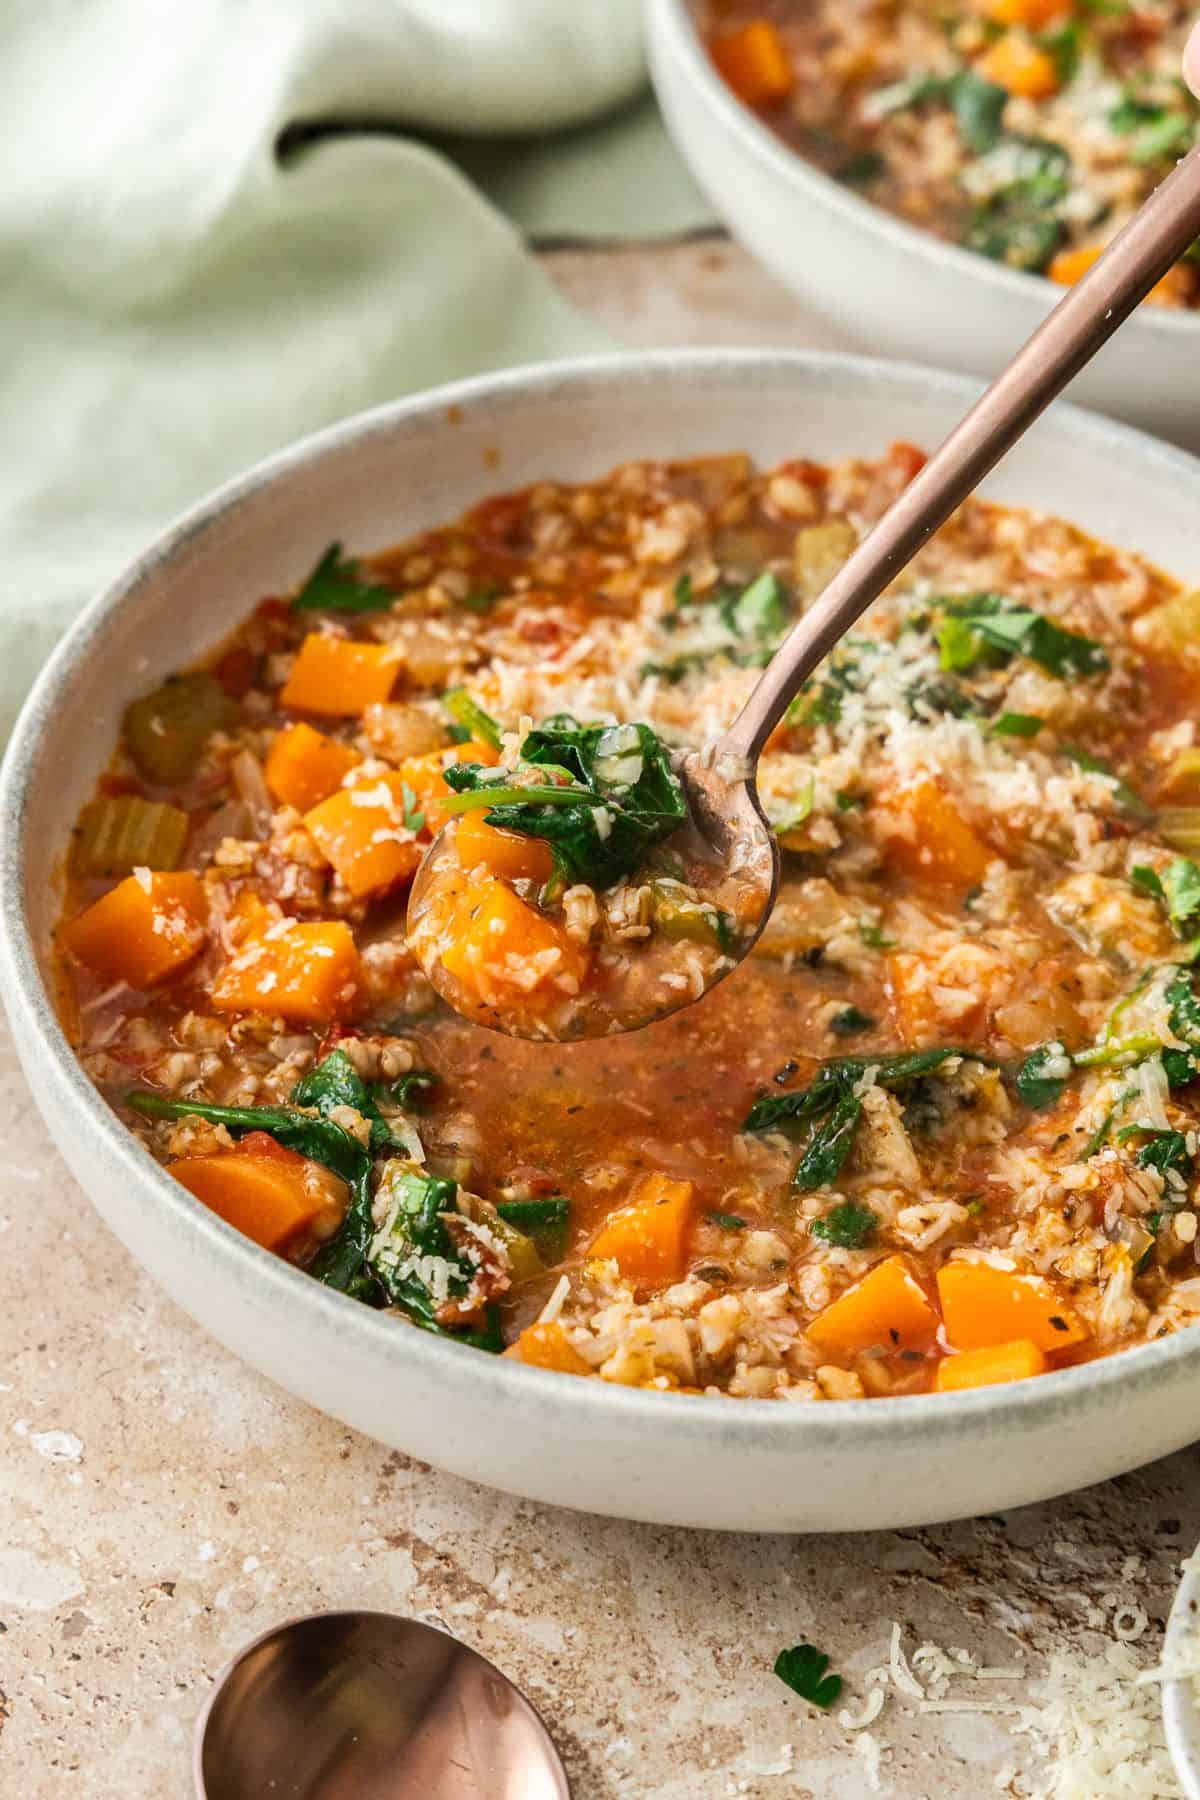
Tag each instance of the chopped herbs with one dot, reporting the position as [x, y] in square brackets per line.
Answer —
[470, 719]
[414, 816]
[1123, 794]
[1043, 1076]
[481, 599]
[978, 105]
[847, 1227]
[727, 1221]
[872, 936]
[1018, 223]
[1012, 630]
[850, 1021]
[803, 1668]
[418, 1264]
[621, 771]
[1017, 725]
[1176, 887]
[831, 1105]
[1163, 1151]
[336, 585]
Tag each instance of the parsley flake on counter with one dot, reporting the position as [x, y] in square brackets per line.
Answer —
[803, 1669]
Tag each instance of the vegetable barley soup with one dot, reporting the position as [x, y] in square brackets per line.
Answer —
[939, 1129]
[1027, 130]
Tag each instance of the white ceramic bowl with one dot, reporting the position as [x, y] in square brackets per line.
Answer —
[1181, 1710]
[751, 1465]
[897, 290]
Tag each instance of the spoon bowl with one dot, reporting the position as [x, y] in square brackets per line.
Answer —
[370, 1706]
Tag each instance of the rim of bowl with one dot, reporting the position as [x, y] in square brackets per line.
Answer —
[702, 1419]
[680, 29]
[1180, 1701]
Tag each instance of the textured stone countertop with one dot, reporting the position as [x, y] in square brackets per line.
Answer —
[162, 1504]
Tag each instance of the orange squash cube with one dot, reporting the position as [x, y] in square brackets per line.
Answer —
[270, 1195]
[506, 853]
[305, 973]
[548, 1347]
[754, 63]
[1035, 15]
[646, 1237]
[888, 1309]
[361, 831]
[486, 923]
[918, 1022]
[149, 926]
[1070, 266]
[983, 1306]
[304, 766]
[990, 1367]
[425, 776]
[1013, 62]
[930, 840]
[338, 676]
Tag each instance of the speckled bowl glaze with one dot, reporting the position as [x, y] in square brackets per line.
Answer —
[742, 1465]
[895, 289]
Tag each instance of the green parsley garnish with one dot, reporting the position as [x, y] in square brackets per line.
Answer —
[335, 585]
[803, 1668]
[848, 1227]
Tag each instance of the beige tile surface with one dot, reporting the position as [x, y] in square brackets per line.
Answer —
[161, 1504]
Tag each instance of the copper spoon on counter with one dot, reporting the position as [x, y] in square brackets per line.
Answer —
[719, 780]
[370, 1706]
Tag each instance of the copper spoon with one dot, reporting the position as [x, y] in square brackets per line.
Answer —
[719, 780]
[370, 1706]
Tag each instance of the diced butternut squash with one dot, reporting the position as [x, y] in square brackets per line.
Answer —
[305, 766]
[339, 677]
[888, 1309]
[646, 1238]
[149, 926]
[486, 924]
[755, 63]
[306, 973]
[983, 1306]
[1013, 62]
[425, 776]
[919, 1022]
[271, 1195]
[548, 1347]
[1035, 15]
[928, 838]
[1070, 266]
[362, 830]
[505, 853]
[990, 1367]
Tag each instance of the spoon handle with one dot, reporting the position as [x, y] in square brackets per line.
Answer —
[1155, 238]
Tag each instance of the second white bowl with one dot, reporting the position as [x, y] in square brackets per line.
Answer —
[894, 288]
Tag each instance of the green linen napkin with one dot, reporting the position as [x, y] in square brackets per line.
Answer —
[197, 271]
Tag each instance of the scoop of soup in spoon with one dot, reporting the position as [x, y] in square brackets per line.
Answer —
[593, 885]
[576, 891]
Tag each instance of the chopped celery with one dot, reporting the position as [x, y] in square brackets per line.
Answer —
[523, 1258]
[546, 1222]
[1180, 827]
[166, 731]
[115, 836]
[678, 917]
